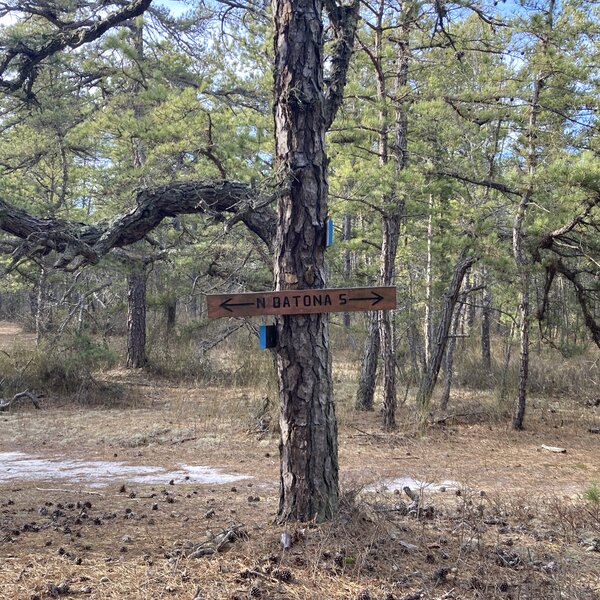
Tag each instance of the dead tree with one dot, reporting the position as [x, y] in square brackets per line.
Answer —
[5, 405]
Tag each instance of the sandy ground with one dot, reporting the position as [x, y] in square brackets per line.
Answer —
[502, 495]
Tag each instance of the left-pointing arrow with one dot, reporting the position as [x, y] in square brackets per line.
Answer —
[227, 305]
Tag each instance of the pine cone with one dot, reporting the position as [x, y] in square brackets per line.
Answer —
[283, 575]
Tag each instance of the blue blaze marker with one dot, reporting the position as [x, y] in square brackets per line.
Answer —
[329, 237]
[267, 336]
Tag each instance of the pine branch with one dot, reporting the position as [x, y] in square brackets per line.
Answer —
[343, 20]
[79, 244]
[23, 61]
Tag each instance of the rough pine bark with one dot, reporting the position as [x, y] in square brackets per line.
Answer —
[391, 235]
[368, 370]
[308, 447]
[136, 317]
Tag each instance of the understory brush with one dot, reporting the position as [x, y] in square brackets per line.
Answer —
[61, 367]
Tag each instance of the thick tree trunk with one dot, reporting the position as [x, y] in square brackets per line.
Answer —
[430, 376]
[136, 317]
[308, 447]
[368, 370]
[137, 277]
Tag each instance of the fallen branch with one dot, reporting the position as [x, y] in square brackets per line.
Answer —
[6, 404]
[214, 544]
[65, 491]
[555, 449]
[182, 441]
[445, 418]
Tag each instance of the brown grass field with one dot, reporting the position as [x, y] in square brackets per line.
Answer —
[513, 522]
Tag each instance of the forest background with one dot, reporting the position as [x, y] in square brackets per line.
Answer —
[153, 153]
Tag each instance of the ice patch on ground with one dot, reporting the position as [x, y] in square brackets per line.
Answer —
[17, 466]
[414, 484]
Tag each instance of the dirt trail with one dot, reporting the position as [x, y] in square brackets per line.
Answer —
[506, 505]
[12, 333]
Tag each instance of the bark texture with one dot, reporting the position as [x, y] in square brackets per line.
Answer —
[136, 317]
[308, 447]
[368, 369]
[486, 314]
[449, 361]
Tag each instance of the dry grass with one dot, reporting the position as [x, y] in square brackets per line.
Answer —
[521, 527]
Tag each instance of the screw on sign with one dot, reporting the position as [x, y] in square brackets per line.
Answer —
[301, 302]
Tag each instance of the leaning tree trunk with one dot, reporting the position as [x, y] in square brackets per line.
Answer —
[136, 317]
[449, 362]
[430, 376]
[308, 448]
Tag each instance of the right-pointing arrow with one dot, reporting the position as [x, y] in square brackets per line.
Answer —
[375, 297]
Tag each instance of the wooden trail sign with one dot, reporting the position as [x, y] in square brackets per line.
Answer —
[301, 302]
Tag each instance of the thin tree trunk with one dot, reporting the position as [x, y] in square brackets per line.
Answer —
[506, 365]
[40, 308]
[347, 267]
[80, 313]
[368, 373]
[391, 232]
[522, 263]
[428, 321]
[392, 219]
[486, 314]
[136, 317]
